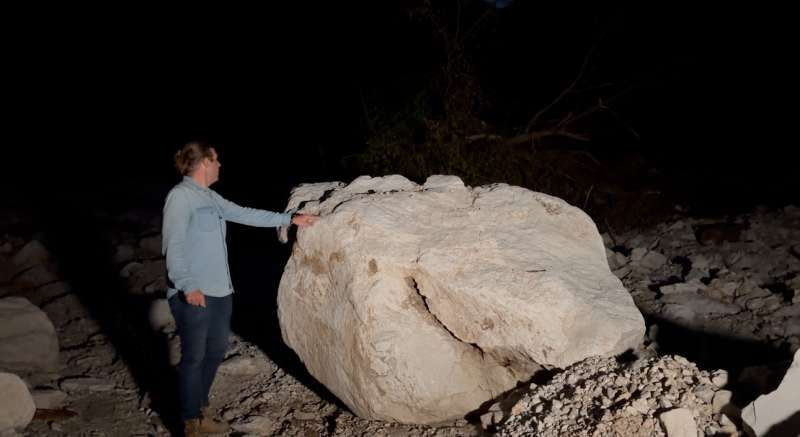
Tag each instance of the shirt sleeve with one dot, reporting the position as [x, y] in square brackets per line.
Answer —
[177, 213]
[251, 216]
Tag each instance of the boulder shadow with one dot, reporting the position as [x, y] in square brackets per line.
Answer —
[256, 268]
[79, 240]
[733, 354]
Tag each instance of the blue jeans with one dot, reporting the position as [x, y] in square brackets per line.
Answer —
[204, 334]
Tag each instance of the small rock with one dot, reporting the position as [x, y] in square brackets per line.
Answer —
[720, 378]
[35, 277]
[32, 254]
[641, 406]
[637, 254]
[518, 408]
[622, 272]
[727, 424]
[158, 285]
[230, 413]
[755, 303]
[149, 278]
[788, 311]
[16, 404]
[696, 274]
[699, 261]
[490, 419]
[48, 399]
[616, 259]
[704, 393]
[130, 268]
[49, 292]
[160, 315]
[239, 365]
[151, 245]
[653, 260]
[772, 303]
[791, 327]
[722, 401]
[123, 254]
[679, 422]
[682, 287]
[174, 350]
[84, 383]
[29, 340]
[259, 425]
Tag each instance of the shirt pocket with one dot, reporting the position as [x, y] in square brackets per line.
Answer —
[207, 218]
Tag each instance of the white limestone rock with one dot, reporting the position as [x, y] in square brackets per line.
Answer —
[419, 303]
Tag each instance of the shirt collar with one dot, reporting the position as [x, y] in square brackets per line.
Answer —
[193, 183]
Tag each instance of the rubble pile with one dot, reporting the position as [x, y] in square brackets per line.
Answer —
[600, 397]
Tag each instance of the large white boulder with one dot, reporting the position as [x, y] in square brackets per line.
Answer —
[419, 303]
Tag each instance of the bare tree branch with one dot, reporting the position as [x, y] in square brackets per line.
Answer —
[569, 88]
[538, 135]
[601, 105]
[562, 127]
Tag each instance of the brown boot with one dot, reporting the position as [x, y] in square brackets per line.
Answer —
[210, 426]
[191, 428]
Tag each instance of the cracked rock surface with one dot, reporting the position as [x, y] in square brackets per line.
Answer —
[737, 276]
[418, 303]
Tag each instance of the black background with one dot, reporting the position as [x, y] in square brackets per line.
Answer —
[97, 100]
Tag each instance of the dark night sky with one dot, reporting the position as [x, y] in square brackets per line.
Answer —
[98, 100]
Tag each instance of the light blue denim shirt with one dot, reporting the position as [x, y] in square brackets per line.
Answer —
[193, 237]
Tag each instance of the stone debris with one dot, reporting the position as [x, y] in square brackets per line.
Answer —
[738, 276]
[602, 396]
[741, 274]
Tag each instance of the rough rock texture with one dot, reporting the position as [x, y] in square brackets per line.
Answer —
[28, 340]
[679, 422]
[262, 397]
[16, 403]
[160, 315]
[777, 412]
[418, 303]
[602, 397]
[737, 277]
[48, 399]
[30, 255]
